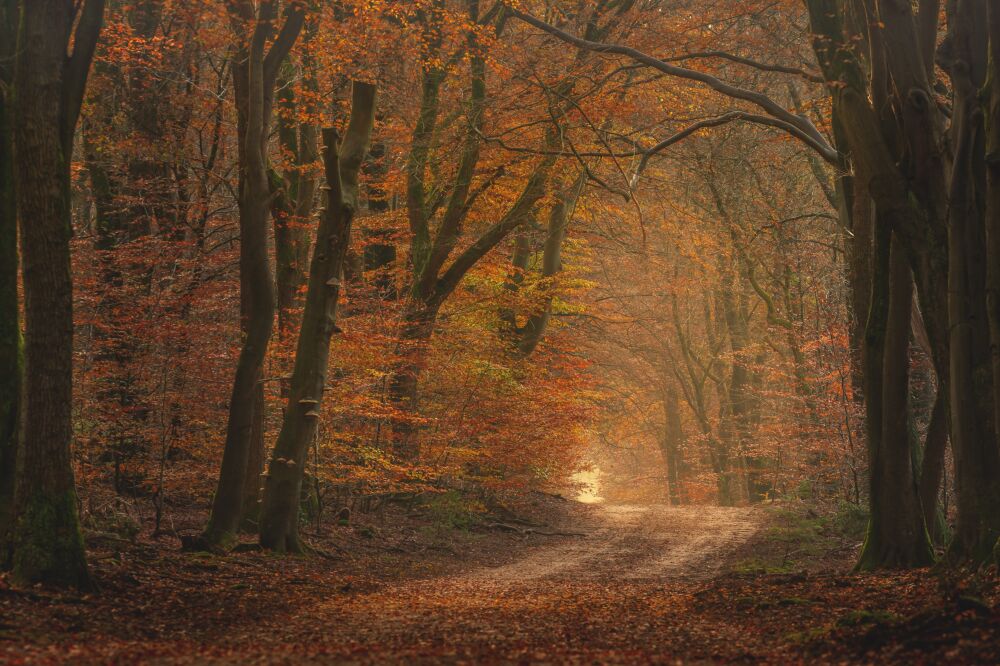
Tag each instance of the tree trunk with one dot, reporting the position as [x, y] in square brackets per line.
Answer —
[257, 299]
[859, 247]
[253, 479]
[559, 218]
[255, 75]
[48, 545]
[670, 446]
[418, 327]
[977, 457]
[10, 327]
[279, 509]
[993, 210]
[932, 466]
[896, 535]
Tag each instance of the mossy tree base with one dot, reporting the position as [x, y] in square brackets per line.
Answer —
[48, 545]
[899, 551]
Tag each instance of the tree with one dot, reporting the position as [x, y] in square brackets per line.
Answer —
[255, 73]
[279, 517]
[48, 89]
[929, 201]
[434, 280]
[10, 326]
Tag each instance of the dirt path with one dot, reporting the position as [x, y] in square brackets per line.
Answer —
[610, 595]
[636, 542]
[637, 585]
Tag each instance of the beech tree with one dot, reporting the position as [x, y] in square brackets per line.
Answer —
[255, 73]
[10, 326]
[926, 181]
[48, 93]
[279, 517]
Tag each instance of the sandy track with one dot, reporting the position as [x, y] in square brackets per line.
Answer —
[597, 591]
[637, 542]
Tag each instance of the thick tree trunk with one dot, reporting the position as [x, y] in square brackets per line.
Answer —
[10, 327]
[993, 211]
[48, 546]
[253, 479]
[280, 505]
[977, 457]
[896, 535]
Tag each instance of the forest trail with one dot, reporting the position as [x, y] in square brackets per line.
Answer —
[607, 594]
[635, 542]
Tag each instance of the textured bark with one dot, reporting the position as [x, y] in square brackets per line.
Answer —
[48, 546]
[279, 509]
[10, 327]
[254, 78]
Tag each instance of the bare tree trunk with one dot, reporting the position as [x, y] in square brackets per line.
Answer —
[10, 326]
[48, 546]
[993, 210]
[254, 81]
[859, 257]
[974, 442]
[896, 535]
[279, 509]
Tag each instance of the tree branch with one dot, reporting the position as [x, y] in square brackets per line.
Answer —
[803, 125]
[78, 66]
[765, 67]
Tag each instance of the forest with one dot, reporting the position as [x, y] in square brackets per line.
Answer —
[499, 331]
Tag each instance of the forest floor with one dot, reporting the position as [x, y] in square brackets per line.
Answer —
[568, 583]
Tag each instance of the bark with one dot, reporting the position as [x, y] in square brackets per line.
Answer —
[10, 327]
[254, 78]
[897, 537]
[48, 545]
[292, 195]
[932, 466]
[859, 277]
[977, 457]
[912, 218]
[415, 335]
[992, 149]
[280, 506]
